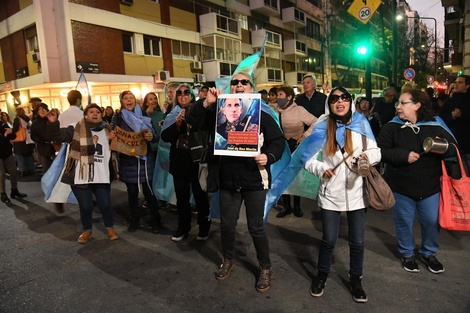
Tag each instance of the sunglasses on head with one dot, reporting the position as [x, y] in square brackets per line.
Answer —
[235, 82]
[334, 98]
[181, 92]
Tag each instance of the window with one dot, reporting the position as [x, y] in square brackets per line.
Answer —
[127, 42]
[271, 3]
[185, 50]
[300, 47]
[151, 46]
[316, 3]
[274, 75]
[273, 38]
[31, 39]
[299, 16]
[227, 25]
[312, 29]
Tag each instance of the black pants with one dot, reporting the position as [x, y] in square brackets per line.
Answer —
[183, 187]
[133, 197]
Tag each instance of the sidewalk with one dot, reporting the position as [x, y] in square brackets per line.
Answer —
[44, 269]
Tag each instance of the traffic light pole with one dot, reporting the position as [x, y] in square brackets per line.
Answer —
[368, 77]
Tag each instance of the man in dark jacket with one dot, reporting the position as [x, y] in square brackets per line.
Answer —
[456, 114]
[385, 106]
[312, 100]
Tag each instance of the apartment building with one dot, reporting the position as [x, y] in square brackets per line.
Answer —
[141, 45]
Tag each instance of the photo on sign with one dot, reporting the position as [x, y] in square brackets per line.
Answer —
[237, 127]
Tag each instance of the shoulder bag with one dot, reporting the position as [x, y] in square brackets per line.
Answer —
[454, 207]
[20, 134]
[376, 189]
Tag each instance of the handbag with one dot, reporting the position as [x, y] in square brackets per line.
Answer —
[197, 142]
[454, 208]
[376, 189]
[20, 134]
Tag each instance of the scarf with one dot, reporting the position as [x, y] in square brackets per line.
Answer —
[308, 148]
[435, 121]
[82, 149]
[137, 122]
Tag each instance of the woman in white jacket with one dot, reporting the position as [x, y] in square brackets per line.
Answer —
[341, 187]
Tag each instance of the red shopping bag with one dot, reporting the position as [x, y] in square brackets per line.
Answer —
[454, 203]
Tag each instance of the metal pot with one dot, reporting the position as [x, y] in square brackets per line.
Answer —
[435, 145]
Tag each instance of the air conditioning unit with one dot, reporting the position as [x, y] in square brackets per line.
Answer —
[196, 65]
[162, 76]
[200, 78]
[127, 2]
[36, 57]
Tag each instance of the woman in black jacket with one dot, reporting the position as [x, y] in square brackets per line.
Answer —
[243, 179]
[8, 161]
[185, 172]
[414, 176]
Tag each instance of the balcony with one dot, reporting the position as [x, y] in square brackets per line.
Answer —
[295, 47]
[269, 76]
[294, 78]
[213, 23]
[293, 16]
[273, 41]
[215, 69]
[265, 7]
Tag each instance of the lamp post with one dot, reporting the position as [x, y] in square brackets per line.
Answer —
[400, 17]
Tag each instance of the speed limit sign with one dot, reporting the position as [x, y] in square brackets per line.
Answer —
[364, 13]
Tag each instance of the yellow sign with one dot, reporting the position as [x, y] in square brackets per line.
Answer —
[364, 9]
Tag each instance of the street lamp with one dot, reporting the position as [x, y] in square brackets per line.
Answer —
[400, 17]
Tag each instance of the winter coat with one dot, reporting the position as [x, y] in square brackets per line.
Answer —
[420, 179]
[132, 169]
[5, 144]
[237, 173]
[41, 137]
[344, 191]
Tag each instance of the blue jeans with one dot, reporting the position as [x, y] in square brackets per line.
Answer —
[356, 226]
[230, 203]
[404, 212]
[84, 197]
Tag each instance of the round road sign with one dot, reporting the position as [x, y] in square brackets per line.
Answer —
[364, 13]
[409, 73]
[430, 79]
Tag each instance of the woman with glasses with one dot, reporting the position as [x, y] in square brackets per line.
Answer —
[185, 171]
[414, 177]
[137, 170]
[339, 134]
[243, 179]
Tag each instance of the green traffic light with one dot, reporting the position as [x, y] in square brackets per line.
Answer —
[362, 50]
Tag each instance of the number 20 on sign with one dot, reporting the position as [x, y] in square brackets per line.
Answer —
[364, 9]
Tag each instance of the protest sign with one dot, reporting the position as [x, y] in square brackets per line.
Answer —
[129, 143]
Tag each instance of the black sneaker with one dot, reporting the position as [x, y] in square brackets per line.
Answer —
[434, 266]
[318, 285]
[358, 293]
[410, 265]
[179, 235]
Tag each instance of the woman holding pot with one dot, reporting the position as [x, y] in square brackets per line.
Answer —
[414, 176]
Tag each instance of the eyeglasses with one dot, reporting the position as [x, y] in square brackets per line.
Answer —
[186, 92]
[235, 82]
[402, 103]
[334, 98]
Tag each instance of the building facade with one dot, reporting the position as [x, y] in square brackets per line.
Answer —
[141, 45]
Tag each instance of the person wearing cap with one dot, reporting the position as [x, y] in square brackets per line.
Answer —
[41, 137]
[34, 102]
[312, 100]
[203, 92]
[88, 172]
[74, 113]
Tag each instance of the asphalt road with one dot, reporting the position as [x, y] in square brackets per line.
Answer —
[44, 269]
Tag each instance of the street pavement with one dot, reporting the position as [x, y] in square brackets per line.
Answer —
[44, 269]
